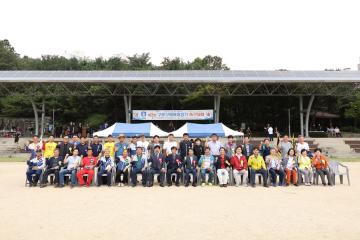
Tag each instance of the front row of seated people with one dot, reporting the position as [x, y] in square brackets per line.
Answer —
[172, 168]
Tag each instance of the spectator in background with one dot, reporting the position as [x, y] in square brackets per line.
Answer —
[337, 132]
[270, 131]
[214, 144]
[248, 132]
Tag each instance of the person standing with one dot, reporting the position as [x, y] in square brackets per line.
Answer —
[191, 167]
[120, 146]
[301, 144]
[240, 167]
[247, 148]
[50, 146]
[284, 146]
[110, 144]
[257, 165]
[144, 145]
[96, 146]
[87, 165]
[222, 165]
[82, 147]
[230, 146]
[155, 142]
[270, 131]
[214, 144]
[265, 148]
[185, 145]
[198, 148]
[65, 147]
[174, 165]
[157, 165]
[34, 146]
[169, 144]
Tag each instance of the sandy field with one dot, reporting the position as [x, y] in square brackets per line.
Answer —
[315, 212]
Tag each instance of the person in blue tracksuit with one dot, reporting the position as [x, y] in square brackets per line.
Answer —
[106, 164]
[138, 165]
[36, 165]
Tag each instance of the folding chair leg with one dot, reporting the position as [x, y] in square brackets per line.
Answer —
[341, 179]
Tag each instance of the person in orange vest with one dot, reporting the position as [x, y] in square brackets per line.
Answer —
[87, 167]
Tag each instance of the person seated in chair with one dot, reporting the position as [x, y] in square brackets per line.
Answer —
[240, 167]
[138, 165]
[222, 165]
[106, 164]
[257, 165]
[174, 165]
[156, 165]
[321, 165]
[53, 165]
[190, 167]
[275, 168]
[36, 165]
[71, 164]
[122, 168]
[290, 166]
[87, 165]
[305, 166]
[206, 163]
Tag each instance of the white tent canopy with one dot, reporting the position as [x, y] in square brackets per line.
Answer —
[205, 130]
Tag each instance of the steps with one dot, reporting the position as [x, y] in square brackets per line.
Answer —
[336, 147]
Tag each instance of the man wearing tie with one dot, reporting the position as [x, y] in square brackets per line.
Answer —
[157, 165]
[174, 165]
[190, 167]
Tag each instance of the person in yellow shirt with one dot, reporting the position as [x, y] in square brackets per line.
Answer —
[50, 147]
[256, 164]
[110, 145]
[305, 167]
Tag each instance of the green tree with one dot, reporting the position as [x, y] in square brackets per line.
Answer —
[8, 56]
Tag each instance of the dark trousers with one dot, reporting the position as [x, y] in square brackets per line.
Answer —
[271, 137]
[149, 173]
[168, 176]
[193, 172]
[100, 177]
[322, 173]
[47, 173]
[29, 174]
[133, 175]
[125, 176]
[262, 171]
[274, 172]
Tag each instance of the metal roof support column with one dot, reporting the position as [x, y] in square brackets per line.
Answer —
[126, 106]
[308, 115]
[301, 115]
[130, 108]
[217, 99]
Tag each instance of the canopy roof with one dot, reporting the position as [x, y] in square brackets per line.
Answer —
[205, 130]
[203, 76]
[131, 129]
[179, 83]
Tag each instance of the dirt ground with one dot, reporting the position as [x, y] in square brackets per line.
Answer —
[315, 212]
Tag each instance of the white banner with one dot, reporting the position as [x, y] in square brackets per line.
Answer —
[173, 114]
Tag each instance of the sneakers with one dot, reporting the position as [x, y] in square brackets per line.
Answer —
[210, 184]
[203, 184]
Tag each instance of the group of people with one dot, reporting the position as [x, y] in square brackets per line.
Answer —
[173, 162]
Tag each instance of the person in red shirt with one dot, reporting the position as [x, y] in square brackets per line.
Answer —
[240, 167]
[87, 167]
[223, 166]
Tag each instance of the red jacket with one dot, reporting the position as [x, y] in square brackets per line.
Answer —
[236, 162]
[89, 162]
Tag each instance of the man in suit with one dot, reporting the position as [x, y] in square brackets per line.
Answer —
[190, 167]
[156, 164]
[247, 148]
[174, 165]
